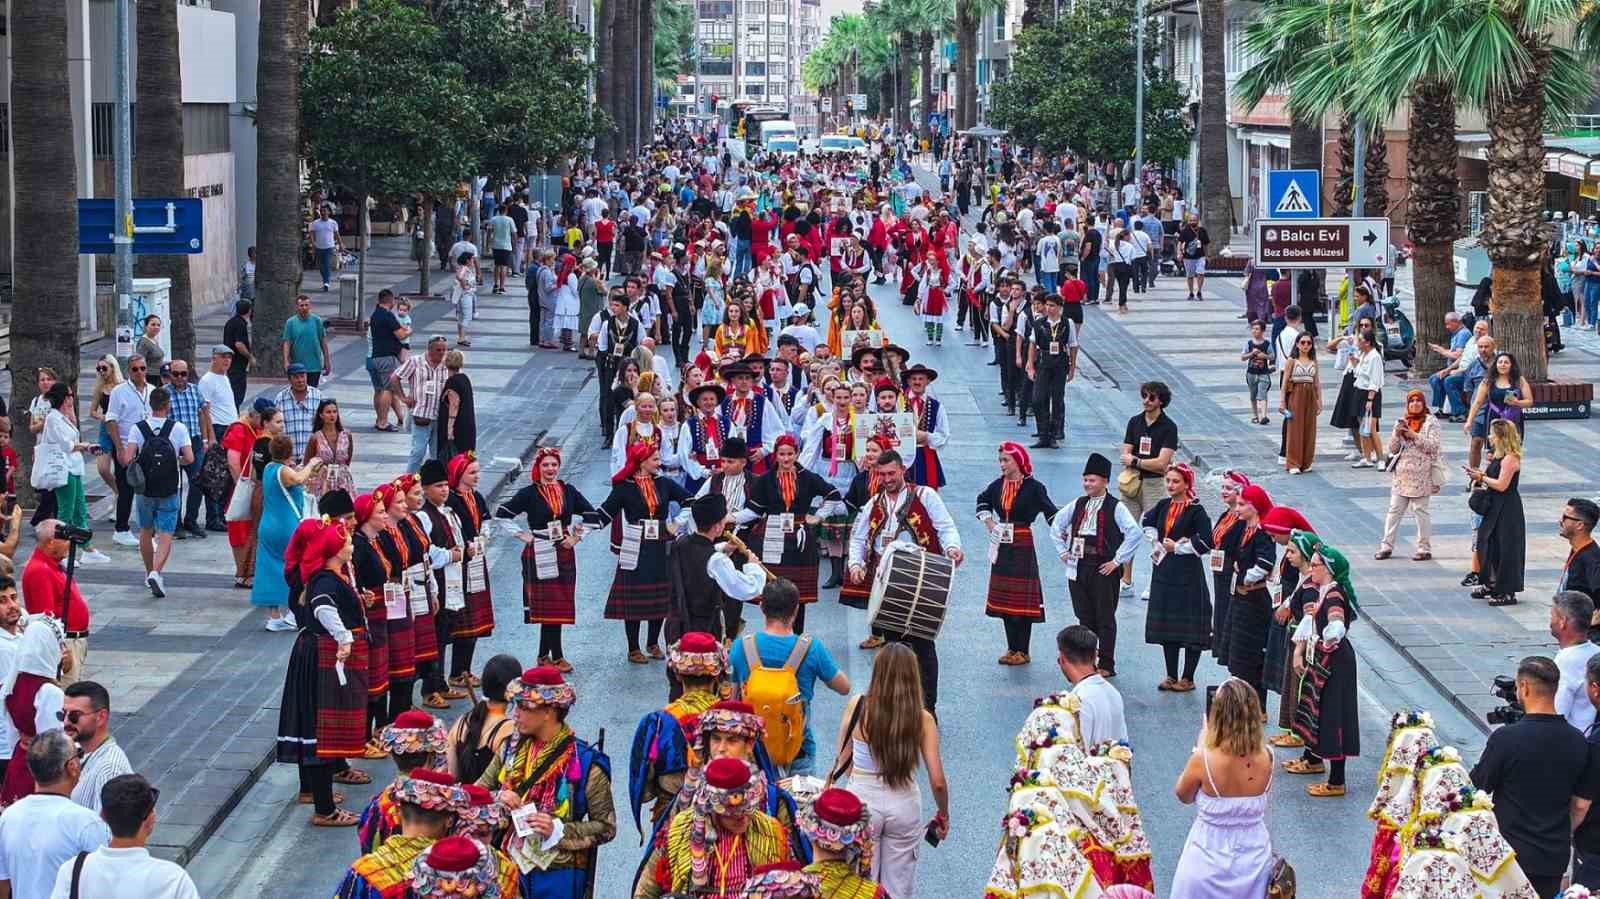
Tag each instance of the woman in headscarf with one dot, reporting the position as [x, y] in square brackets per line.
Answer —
[1179, 530]
[554, 511]
[463, 473]
[1328, 718]
[1288, 604]
[639, 502]
[323, 716]
[32, 699]
[567, 304]
[1219, 562]
[787, 497]
[1253, 556]
[371, 571]
[1008, 507]
[1415, 443]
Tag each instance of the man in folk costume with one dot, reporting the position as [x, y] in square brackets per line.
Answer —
[460, 867]
[414, 741]
[1007, 508]
[828, 449]
[565, 778]
[555, 512]
[719, 840]
[450, 581]
[747, 414]
[706, 584]
[427, 800]
[613, 334]
[1094, 538]
[839, 828]
[783, 392]
[661, 743]
[933, 426]
[917, 515]
[706, 433]
[471, 511]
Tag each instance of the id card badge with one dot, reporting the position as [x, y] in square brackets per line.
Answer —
[455, 596]
[1216, 561]
[1077, 548]
[394, 601]
[555, 531]
[1005, 532]
[652, 528]
[786, 522]
[1055, 347]
[1144, 445]
[712, 453]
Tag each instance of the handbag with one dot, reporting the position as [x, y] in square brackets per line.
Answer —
[239, 504]
[306, 507]
[1281, 884]
[49, 470]
[1479, 500]
[214, 474]
[1129, 483]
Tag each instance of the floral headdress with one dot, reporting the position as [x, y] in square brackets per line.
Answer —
[414, 732]
[543, 685]
[782, 880]
[837, 820]
[480, 814]
[430, 789]
[456, 867]
[697, 654]
[728, 786]
[731, 717]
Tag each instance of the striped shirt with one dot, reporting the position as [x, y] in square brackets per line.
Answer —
[299, 416]
[104, 763]
[186, 405]
[423, 383]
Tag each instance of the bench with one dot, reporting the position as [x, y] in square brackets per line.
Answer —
[1560, 398]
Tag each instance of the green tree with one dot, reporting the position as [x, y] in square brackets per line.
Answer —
[385, 113]
[1068, 89]
[674, 40]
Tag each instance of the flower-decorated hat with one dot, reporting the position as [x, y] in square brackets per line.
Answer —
[731, 787]
[543, 685]
[456, 867]
[732, 717]
[782, 880]
[697, 654]
[413, 732]
[430, 789]
[838, 821]
[480, 812]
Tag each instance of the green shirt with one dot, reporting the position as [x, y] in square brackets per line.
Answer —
[305, 337]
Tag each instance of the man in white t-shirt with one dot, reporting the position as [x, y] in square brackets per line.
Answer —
[593, 209]
[158, 515]
[1049, 253]
[1141, 262]
[10, 634]
[1100, 718]
[41, 832]
[123, 867]
[801, 329]
[325, 241]
[1569, 625]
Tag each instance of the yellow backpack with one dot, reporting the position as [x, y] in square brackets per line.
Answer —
[775, 695]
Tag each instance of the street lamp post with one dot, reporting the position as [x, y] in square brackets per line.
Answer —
[1138, 93]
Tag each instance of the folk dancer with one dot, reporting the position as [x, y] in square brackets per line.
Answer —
[1052, 362]
[1179, 533]
[401, 632]
[704, 452]
[1095, 538]
[839, 828]
[1221, 564]
[414, 741]
[613, 334]
[782, 880]
[662, 743]
[828, 449]
[477, 621]
[932, 300]
[746, 413]
[1292, 593]
[642, 424]
[918, 515]
[463, 867]
[555, 512]
[1328, 717]
[782, 391]
[371, 575]
[424, 561]
[715, 844]
[933, 426]
[786, 498]
[733, 483]
[544, 764]
[481, 818]
[639, 503]
[427, 800]
[449, 581]
[705, 581]
[1250, 609]
[1007, 508]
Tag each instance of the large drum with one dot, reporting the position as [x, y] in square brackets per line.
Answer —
[910, 591]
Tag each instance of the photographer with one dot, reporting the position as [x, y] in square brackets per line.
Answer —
[1570, 616]
[44, 592]
[1539, 772]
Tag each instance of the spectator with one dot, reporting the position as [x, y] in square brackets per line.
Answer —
[1193, 243]
[59, 447]
[336, 447]
[1474, 374]
[1500, 548]
[420, 383]
[1260, 362]
[86, 718]
[1368, 399]
[1504, 392]
[886, 735]
[457, 426]
[260, 421]
[222, 412]
[157, 504]
[44, 831]
[477, 736]
[1148, 445]
[1540, 773]
[1416, 439]
[1582, 571]
[1570, 615]
[1586, 836]
[129, 405]
[305, 340]
[298, 401]
[1459, 338]
[1078, 657]
[123, 867]
[236, 335]
[148, 347]
[107, 375]
[402, 314]
[464, 295]
[387, 333]
[325, 241]
[44, 583]
[780, 602]
[189, 409]
[247, 275]
[502, 242]
[32, 700]
[1228, 851]
[283, 506]
[10, 647]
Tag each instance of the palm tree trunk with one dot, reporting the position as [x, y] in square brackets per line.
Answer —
[966, 64]
[925, 65]
[626, 60]
[886, 94]
[1375, 189]
[605, 143]
[1344, 187]
[647, 70]
[278, 210]
[44, 317]
[1216, 196]
[1432, 216]
[1514, 231]
[428, 225]
[902, 69]
[158, 152]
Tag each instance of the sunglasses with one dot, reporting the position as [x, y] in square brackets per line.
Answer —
[137, 367]
[180, 374]
[101, 369]
[71, 717]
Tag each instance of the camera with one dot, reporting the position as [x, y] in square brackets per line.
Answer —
[1505, 687]
[80, 536]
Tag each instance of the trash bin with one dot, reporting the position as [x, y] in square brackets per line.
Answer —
[349, 298]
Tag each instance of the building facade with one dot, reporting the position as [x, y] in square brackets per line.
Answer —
[750, 50]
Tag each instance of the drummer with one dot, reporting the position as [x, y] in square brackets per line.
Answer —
[902, 511]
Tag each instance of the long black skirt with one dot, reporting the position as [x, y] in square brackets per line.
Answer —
[1347, 407]
[1180, 609]
[1221, 598]
[1328, 717]
[1249, 618]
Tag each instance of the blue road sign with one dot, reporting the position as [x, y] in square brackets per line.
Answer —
[1294, 194]
[160, 226]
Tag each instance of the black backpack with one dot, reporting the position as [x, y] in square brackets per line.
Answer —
[154, 472]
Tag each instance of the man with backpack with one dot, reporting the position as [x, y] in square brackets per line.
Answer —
[154, 451]
[774, 666]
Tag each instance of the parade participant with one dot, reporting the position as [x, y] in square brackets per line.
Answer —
[864, 367]
[782, 880]
[413, 741]
[323, 716]
[932, 304]
[863, 487]
[462, 867]
[1288, 602]
[425, 561]
[1179, 533]
[32, 699]
[477, 620]
[639, 502]
[1252, 555]
[1328, 718]
[1148, 446]
[783, 391]
[719, 840]
[613, 335]
[1052, 362]
[1221, 564]
[786, 498]
[933, 426]
[554, 511]
[1095, 538]
[839, 827]
[706, 433]
[738, 336]
[705, 582]
[747, 414]
[662, 742]
[371, 574]
[917, 515]
[1007, 508]
[641, 423]
[1411, 737]
[411, 634]
[427, 801]
[827, 447]
[444, 530]
[565, 778]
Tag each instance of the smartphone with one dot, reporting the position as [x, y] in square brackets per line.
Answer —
[9, 505]
[96, 449]
[932, 835]
[1211, 694]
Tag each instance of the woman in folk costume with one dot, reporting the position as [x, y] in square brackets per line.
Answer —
[828, 449]
[1039, 855]
[1217, 561]
[786, 498]
[1254, 555]
[640, 590]
[771, 297]
[1452, 846]
[1394, 806]
[422, 559]
[1087, 790]
[33, 701]
[554, 510]
[1180, 614]
[1328, 718]
[469, 505]
[1288, 602]
[932, 302]
[371, 574]
[323, 716]
[739, 335]
[1008, 507]
[401, 618]
[856, 317]
[674, 439]
[645, 427]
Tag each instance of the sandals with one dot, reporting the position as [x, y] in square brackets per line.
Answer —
[1013, 657]
[1183, 685]
[465, 679]
[386, 429]
[453, 694]
[375, 750]
[352, 776]
[656, 653]
[240, 583]
[637, 657]
[435, 701]
[1482, 591]
[339, 818]
[1503, 600]
[1323, 791]
[1421, 556]
[305, 798]
[1471, 580]
[872, 642]
[1382, 554]
[1286, 741]
[562, 665]
[1167, 685]
[1301, 766]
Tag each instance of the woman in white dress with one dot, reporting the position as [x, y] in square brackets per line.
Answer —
[464, 296]
[1228, 854]
[567, 303]
[675, 441]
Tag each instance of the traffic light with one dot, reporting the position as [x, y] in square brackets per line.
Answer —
[713, 101]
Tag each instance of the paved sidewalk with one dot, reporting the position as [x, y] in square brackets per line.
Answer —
[195, 680]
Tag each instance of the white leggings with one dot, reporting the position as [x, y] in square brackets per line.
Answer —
[897, 830]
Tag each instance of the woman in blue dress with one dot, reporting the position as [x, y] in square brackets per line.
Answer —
[283, 504]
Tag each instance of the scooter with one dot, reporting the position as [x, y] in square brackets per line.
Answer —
[1399, 337]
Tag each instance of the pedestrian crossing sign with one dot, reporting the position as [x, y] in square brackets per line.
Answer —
[1294, 194]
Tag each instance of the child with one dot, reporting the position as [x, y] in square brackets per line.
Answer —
[1073, 291]
[1260, 358]
[402, 313]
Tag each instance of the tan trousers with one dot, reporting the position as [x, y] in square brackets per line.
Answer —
[77, 649]
[1151, 491]
[1397, 510]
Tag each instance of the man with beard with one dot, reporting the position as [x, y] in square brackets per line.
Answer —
[10, 634]
[86, 718]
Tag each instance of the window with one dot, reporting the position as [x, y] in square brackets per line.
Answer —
[755, 7]
[686, 90]
[756, 28]
[755, 90]
[716, 9]
[5, 129]
[777, 69]
[1183, 57]
[1000, 25]
[716, 67]
[714, 28]
[753, 49]
[103, 117]
[779, 29]
[758, 69]
[205, 128]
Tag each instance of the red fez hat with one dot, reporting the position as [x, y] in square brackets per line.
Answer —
[698, 641]
[728, 774]
[413, 719]
[840, 807]
[734, 705]
[544, 676]
[477, 795]
[453, 854]
[442, 778]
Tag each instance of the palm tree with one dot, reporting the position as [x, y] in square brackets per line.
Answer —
[1216, 197]
[934, 18]
[967, 17]
[647, 70]
[44, 318]
[624, 63]
[158, 152]
[279, 226]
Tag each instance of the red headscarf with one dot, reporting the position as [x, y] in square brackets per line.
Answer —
[786, 440]
[1283, 519]
[568, 263]
[539, 456]
[1256, 498]
[323, 541]
[1187, 473]
[1020, 453]
[368, 503]
[637, 453]
[1238, 478]
[458, 467]
[405, 482]
[387, 494]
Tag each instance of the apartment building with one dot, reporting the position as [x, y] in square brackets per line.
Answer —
[750, 50]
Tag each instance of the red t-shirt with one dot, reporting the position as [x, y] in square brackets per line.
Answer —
[1073, 290]
[605, 231]
[43, 582]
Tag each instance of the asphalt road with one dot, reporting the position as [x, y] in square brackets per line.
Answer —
[267, 848]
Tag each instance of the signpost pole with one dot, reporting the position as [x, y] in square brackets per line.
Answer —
[1358, 203]
[1138, 98]
[123, 232]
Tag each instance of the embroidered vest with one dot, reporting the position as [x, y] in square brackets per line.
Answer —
[753, 416]
[915, 516]
[1107, 537]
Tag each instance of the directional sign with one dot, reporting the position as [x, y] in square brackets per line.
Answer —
[160, 226]
[1322, 243]
[827, 104]
[1294, 194]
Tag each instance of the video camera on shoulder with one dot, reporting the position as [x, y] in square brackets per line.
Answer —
[1505, 687]
[80, 536]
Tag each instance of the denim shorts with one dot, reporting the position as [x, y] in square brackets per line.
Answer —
[380, 368]
[157, 514]
[1260, 386]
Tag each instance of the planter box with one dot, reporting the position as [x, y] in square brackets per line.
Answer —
[1560, 398]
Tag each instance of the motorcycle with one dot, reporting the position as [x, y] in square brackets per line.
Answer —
[1399, 336]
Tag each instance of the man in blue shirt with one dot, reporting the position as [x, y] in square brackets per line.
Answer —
[1459, 336]
[780, 602]
[305, 342]
[386, 334]
[1474, 376]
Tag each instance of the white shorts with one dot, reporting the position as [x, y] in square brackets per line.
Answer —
[466, 303]
[1192, 267]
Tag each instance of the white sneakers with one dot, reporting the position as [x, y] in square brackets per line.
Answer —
[1294, 471]
[1352, 456]
[94, 557]
[156, 584]
[278, 625]
[125, 538]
